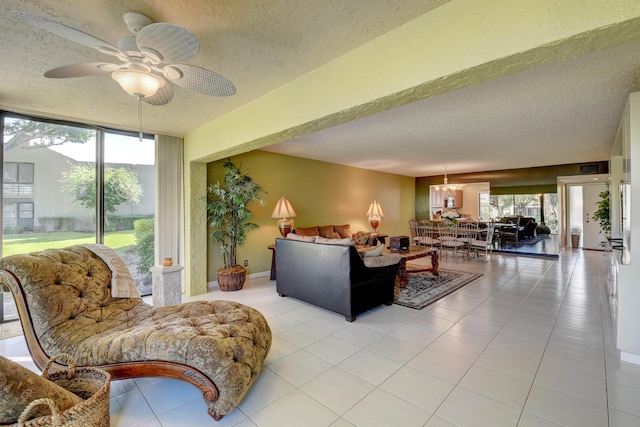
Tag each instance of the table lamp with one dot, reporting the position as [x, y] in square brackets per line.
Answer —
[285, 212]
[375, 214]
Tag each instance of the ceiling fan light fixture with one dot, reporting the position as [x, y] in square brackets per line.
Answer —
[152, 54]
[172, 73]
[128, 44]
[151, 60]
[137, 83]
[107, 50]
[108, 66]
[136, 21]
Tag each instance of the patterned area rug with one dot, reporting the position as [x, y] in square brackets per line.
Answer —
[425, 288]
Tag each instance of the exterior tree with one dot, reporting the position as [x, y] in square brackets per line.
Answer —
[523, 200]
[33, 134]
[551, 211]
[121, 186]
[514, 204]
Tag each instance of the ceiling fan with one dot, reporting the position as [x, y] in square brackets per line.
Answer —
[150, 59]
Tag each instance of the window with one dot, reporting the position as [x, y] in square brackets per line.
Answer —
[50, 198]
[9, 211]
[517, 205]
[484, 206]
[21, 173]
[25, 210]
[10, 172]
[542, 207]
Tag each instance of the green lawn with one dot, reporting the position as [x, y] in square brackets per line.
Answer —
[121, 241]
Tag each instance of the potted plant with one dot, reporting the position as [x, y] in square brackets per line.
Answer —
[230, 220]
[602, 213]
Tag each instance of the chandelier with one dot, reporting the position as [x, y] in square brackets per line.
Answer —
[446, 188]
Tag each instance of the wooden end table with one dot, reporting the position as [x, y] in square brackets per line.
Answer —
[415, 252]
[379, 237]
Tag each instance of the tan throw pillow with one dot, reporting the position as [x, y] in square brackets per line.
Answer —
[19, 387]
[362, 237]
[326, 231]
[307, 231]
[377, 251]
[344, 231]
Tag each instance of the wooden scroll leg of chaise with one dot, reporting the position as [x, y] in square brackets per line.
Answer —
[146, 368]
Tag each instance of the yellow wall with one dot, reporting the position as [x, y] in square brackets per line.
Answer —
[321, 194]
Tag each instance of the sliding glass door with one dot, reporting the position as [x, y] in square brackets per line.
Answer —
[129, 181]
[37, 212]
[66, 184]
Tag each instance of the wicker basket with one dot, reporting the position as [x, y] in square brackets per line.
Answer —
[91, 384]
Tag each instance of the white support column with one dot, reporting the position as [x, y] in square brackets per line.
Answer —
[167, 284]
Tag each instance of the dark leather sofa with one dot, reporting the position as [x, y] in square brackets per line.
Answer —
[527, 226]
[334, 277]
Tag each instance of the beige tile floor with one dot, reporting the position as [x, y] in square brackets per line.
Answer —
[528, 344]
[10, 329]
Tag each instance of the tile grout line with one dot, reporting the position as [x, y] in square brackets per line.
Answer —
[457, 384]
[566, 289]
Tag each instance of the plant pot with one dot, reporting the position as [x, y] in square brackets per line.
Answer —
[231, 278]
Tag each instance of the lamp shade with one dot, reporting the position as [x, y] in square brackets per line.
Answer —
[137, 82]
[283, 209]
[375, 209]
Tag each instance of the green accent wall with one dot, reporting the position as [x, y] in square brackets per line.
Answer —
[321, 194]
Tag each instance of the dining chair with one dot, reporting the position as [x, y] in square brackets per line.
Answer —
[510, 234]
[467, 232]
[426, 234]
[413, 230]
[448, 236]
[485, 244]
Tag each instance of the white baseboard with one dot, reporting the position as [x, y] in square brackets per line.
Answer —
[214, 283]
[260, 274]
[630, 357]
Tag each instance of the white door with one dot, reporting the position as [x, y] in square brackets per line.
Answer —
[591, 237]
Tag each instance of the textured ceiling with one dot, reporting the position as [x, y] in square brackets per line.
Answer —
[258, 45]
[560, 113]
[557, 113]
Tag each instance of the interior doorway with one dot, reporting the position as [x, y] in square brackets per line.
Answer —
[590, 196]
[581, 204]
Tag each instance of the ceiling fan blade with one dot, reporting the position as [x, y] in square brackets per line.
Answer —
[162, 96]
[199, 80]
[167, 43]
[81, 70]
[66, 32]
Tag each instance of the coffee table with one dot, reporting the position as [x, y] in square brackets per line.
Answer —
[415, 252]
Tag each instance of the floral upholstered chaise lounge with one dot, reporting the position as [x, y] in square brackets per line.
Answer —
[65, 302]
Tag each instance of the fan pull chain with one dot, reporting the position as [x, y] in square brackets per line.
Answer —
[140, 116]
